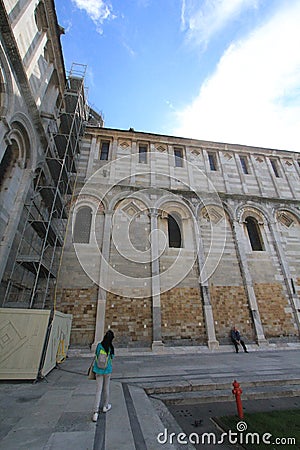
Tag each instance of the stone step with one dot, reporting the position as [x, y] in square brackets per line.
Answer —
[118, 419]
[225, 395]
[150, 424]
[195, 384]
[135, 419]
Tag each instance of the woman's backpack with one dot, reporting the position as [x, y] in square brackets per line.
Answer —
[102, 360]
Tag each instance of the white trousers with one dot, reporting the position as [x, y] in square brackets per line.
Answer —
[102, 381]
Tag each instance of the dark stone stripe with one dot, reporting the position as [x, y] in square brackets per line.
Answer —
[138, 437]
[99, 440]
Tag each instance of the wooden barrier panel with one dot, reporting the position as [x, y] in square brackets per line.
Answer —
[22, 338]
[58, 341]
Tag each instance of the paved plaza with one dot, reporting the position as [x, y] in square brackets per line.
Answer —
[55, 413]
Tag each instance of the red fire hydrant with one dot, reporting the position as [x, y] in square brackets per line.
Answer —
[237, 391]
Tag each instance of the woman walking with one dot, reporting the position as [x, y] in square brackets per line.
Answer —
[104, 347]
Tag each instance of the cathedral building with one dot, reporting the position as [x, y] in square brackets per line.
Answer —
[173, 241]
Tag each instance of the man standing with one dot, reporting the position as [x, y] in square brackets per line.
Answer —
[236, 339]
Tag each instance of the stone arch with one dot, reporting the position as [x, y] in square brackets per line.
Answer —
[174, 209]
[131, 227]
[87, 211]
[286, 216]
[128, 194]
[21, 131]
[88, 199]
[175, 204]
[131, 206]
[19, 138]
[15, 158]
[255, 211]
[255, 222]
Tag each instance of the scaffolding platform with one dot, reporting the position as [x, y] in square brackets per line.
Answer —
[70, 124]
[60, 175]
[63, 142]
[52, 197]
[33, 263]
[41, 226]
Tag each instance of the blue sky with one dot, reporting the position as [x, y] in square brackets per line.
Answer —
[220, 70]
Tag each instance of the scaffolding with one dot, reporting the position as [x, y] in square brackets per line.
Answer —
[34, 261]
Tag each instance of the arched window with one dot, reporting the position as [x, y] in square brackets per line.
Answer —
[174, 225]
[82, 227]
[254, 234]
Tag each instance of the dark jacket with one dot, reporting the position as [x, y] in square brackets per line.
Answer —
[235, 335]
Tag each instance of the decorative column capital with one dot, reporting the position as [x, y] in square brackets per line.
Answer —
[153, 212]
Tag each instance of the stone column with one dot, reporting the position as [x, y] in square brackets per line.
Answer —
[172, 179]
[152, 162]
[133, 163]
[255, 161]
[190, 170]
[293, 297]
[113, 157]
[104, 261]
[94, 147]
[238, 234]
[212, 342]
[155, 282]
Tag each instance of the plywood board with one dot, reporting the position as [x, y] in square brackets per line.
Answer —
[22, 338]
[58, 343]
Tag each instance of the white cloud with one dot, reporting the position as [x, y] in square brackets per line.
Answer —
[143, 3]
[129, 49]
[97, 10]
[67, 25]
[253, 98]
[201, 23]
